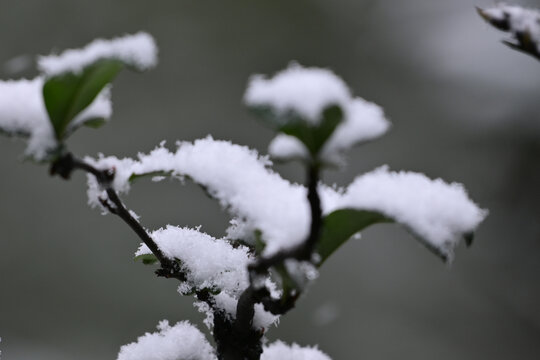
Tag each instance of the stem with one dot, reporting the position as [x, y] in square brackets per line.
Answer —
[304, 251]
[65, 165]
[245, 310]
[228, 344]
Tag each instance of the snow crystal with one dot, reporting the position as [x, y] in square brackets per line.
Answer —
[281, 351]
[181, 341]
[239, 178]
[520, 20]
[23, 113]
[304, 91]
[138, 50]
[438, 212]
[209, 263]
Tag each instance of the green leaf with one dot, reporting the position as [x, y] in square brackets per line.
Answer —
[147, 259]
[340, 225]
[259, 243]
[94, 123]
[68, 94]
[314, 136]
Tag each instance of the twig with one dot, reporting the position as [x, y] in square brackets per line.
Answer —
[303, 252]
[65, 165]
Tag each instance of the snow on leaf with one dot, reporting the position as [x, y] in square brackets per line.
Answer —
[436, 212]
[297, 100]
[23, 113]
[209, 263]
[77, 76]
[281, 351]
[182, 341]
[439, 214]
[522, 23]
[138, 51]
[305, 92]
[68, 95]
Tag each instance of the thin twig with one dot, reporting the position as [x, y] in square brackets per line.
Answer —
[64, 167]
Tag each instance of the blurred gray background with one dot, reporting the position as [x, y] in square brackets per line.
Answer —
[463, 107]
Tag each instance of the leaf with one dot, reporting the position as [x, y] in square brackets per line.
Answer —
[94, 123]
[259, 243]
[340, 225]
[68, 94]
[314, 136]
[147, 259]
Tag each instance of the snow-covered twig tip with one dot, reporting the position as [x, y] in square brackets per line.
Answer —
[522, 23]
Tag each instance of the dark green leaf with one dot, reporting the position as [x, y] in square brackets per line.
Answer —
[259, 243]
[340, 225]
[147, 259]
[288, 284]
[313, 136]
[66, 95]
[94, 123]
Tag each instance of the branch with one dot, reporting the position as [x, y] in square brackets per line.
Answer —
[303, 252]
[66, 164]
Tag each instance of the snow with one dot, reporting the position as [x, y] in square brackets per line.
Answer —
[281, 351]
[101, 107]
[22, 109]
[209, 263]
[438, 212]
[303, 91]
[262, 319]
[240, 179]
[182, 341]
[520, 20]
[364, 121]
[307, 92]
[138, 51]
[23, 113]
[235, 175]
[285, 147]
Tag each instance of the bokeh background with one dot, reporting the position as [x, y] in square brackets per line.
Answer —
[463, 107]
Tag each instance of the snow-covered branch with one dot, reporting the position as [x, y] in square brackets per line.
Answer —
[522, 23]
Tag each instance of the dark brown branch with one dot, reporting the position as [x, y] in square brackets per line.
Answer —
[230, 347]
[64, 167]
[304, 251]
[245, 309]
